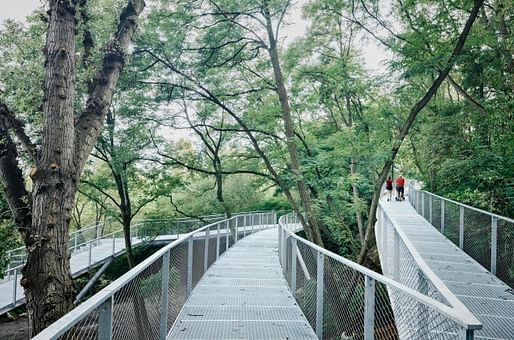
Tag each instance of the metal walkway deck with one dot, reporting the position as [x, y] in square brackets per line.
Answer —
[244, 295]
[487, 297]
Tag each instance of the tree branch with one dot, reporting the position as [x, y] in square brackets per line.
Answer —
[9, 121]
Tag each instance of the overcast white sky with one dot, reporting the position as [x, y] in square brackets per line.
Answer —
[373, 55]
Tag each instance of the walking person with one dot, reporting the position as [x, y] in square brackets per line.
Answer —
[400, 183]
[389, 188]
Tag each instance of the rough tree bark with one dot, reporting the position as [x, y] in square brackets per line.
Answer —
[372, 218]
[43, 217]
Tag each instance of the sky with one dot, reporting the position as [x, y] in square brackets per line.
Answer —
[373, 55]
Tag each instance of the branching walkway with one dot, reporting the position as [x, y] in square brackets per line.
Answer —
[488, 298]
[243, 296]
[81, 262]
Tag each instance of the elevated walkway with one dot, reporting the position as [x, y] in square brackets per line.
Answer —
[243, 295]
[413, 252]
[89, 249]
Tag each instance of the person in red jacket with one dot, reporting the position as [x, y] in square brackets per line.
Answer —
[400, 183]
[389, 188]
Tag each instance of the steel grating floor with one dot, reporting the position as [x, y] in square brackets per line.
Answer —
[243, 296]
[486, 296]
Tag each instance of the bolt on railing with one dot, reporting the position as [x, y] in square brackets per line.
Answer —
[145, 302]
[344, 300]
[486, 237]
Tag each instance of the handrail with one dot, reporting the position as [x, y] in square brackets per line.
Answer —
[73, 236]
[460, 316]
[452, 219]
[206, 234]
[508, 219]
[429, 273]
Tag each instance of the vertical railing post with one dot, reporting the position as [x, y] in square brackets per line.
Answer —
[189, 265]
[466, 334]
[206, 251]
[385, 227]
[227, 235]
[113, 244]
[76, 241]
[105, 320]
[217, 241]
[430, 208]
[14, 286]
[369, 308]
[293, 266]
[319, 295]
[494, 243]
[280, 245]
[165, 281]
[89, 253]
[442, 216]
[461, 227]
[236, 227]
[396, 257]
[423, 204]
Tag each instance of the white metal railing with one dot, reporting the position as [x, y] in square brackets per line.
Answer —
[91, 238]
[486, 237]
[144, 302]
[344, 300]
[96, 230]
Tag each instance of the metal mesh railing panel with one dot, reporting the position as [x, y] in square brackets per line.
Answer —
[343, 301]
[85, 329]
[306, 282]
[415, 320]
[436, 212]
[477, 236]
[177, 288]
[451, 222]
[137, 304]
[212, 246]
[505, 252]
[198, 259]
[384, 327]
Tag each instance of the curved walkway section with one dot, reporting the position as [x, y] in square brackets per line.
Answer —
[244, 295]
[400, 229]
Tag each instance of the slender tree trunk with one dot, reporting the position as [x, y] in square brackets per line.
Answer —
[128, 241]
[397, 142]
[312, 222]
[355, 189]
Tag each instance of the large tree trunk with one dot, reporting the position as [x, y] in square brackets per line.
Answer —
[47, 276]
[43, 218]
[312, 226]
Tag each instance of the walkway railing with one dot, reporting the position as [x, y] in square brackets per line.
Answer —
[486, 237]
[144, 303]
[344, 300]
[94, 232]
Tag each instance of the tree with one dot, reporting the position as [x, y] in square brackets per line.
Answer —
[397, 142]
[43, 215]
